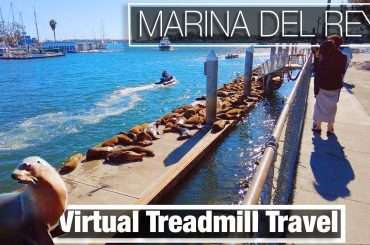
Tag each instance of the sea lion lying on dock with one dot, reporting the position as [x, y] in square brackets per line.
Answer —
[153, 131]
[28, 215]
[118, 157]
[138, 149]
[218, 126]
[139, 128]
[184, 133]
[97, 153]
[124, 139]
[111, 142]
[71, 163]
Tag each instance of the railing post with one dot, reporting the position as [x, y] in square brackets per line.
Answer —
[286, 55]
[211, 71]
[279, 58]
[272, 57]
[248, 65]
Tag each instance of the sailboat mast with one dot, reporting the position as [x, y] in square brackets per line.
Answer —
[37, 28]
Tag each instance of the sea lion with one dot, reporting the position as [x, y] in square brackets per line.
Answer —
[123, 139]
[191, 126]
[124, 157]
[97, 153]
[139, 128]
[153, 131]
[144, 136]
[144, 143]
[137, 149]
[71, 163]
[218, 126]
[195, 119]
[28, 215]
[189, 112]
[234, 111]
[184, 133]
[111, 142]
[170, 127]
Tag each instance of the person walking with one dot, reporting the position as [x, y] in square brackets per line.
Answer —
[330, 71]
[338, 41]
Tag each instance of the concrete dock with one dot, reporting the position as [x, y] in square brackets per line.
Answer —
[335, 169]
[140, 182]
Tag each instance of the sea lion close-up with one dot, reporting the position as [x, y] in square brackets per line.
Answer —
[28, 215]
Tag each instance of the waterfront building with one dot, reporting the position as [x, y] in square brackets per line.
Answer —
[65, 46]
[74, 46]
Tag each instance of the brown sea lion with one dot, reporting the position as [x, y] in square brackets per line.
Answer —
[234, 111]
[97, 153]
[123, 139]
[139, 128]
[144, 143]
[28, 215]
[111, 142]
[195, 119]
[71, 163]
[124, 157]
[170, 127]
[189, 112]
[218, 126]
[138, 149]
[144, 136]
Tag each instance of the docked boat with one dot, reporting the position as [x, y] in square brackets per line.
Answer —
[22, 54]
[165, 44]
[232, 56]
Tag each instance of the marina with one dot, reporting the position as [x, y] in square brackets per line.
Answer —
[101, 178]
[141, 90]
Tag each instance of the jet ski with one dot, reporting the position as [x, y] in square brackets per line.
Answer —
[166, 79]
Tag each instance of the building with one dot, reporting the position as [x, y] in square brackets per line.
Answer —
[65, 46]
[74, 46]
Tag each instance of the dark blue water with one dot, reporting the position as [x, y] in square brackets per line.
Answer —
[55, 107]
[216, 180]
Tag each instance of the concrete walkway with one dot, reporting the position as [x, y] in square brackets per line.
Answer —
[336, 170]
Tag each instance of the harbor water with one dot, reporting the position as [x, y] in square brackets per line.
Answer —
[58, 106]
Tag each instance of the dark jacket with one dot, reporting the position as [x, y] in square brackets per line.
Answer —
[330, 71]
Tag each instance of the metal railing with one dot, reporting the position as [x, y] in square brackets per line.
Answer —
[266, 163]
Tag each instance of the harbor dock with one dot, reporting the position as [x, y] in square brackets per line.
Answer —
[335, 169]
[149, 180]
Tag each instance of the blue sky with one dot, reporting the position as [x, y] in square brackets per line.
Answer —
[82, 18]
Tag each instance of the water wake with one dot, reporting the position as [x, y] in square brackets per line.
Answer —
[42, 128]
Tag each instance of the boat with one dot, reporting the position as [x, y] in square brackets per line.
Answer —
[165, 44]
[172, 81]
[166, 79]
[22, 54]
[232, 56]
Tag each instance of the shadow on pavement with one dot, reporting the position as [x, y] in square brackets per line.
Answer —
[331, 168]
[179, 152]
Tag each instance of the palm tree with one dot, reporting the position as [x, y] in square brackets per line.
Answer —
[53, 25]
